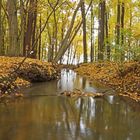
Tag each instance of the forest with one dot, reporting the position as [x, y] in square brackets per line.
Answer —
[71, 64]
[70, 31]
[101, 37]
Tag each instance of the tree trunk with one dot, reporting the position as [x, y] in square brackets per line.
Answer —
[118, 24]
[64, 43]
[1, 31]
[34, 55]
[122, 31]
[84, 31]
[107, 38]
[29, 30]
[101, 30]
[40, 39]
[129, 40]
[13, 49]
[92, 36]
[50, 53]
[22, 26]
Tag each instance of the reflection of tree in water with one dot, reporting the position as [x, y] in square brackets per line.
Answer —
[77, 131]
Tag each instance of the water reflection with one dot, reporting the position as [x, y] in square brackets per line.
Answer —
[70, 80]
[62, 118]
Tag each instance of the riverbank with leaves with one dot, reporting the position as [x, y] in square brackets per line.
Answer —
[31, 70]
[122, 77]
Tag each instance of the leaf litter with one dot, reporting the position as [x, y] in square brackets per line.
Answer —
[122, 77]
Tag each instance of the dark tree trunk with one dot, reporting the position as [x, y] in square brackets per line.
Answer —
[107, 37]
[84, 31]
[34, 55]
[92, 36]
[30, 27]
[101, 33]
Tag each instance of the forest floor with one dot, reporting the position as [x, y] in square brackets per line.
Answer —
[124, 78]
[32, 70]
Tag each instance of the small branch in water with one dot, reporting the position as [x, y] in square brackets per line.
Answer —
[79, 93]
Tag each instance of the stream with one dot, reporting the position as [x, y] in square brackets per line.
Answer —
[43, 115]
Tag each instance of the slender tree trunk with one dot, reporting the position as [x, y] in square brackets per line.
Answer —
[101, 33]
[107, 38]
[84, 31]
[74, 55]
[64, 43]
[40, 39]
[56, 32]
[0, 28]
[122, 31]
[50, 53]
[68, 58]
[22, 26]
[13, 49]
[1, 31]
[129, 40]
[62, 34]
[92, 36]
[118, 24]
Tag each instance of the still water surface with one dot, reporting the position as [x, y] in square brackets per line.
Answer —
[43, 116]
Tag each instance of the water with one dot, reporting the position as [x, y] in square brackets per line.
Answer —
[43, 116]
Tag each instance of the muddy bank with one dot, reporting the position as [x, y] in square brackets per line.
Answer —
[122, 77]
[32, 70]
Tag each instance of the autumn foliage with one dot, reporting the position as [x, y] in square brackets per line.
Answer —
[32, 70]
[123, 77]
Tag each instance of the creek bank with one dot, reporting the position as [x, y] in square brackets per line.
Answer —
[31, 71]
[122, 77]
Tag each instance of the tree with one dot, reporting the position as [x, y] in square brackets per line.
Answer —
[64, 44]
[107, 35]
[92, 35]
[122, 30]
[101, 32]
[1, 31]
[52, 49]
[13, 49]
[116, 37]
[84, 30]
[22, 26]
[118, 23]
[31, 28]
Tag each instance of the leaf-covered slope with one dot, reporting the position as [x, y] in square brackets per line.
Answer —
[124, 77]
[32, 70]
